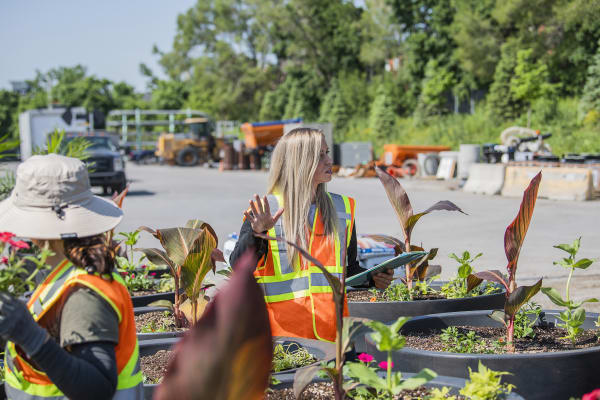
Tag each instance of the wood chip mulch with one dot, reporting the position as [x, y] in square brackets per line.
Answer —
[547, 339]
[367, 296]
[324, 391]
[158, 318]
[142, 293]
[154, 366]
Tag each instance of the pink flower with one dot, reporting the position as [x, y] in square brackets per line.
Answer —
[6, 236]
[19, 244]
[133, 275]
[366, 358]
[152, 273]
[384, 365]
[143, 266]
[594, 395]
[4, 260]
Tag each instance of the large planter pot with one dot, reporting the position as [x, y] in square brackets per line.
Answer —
[455, 384]
[141, 301]
[551, 375]
[388, 311]
[322, 351]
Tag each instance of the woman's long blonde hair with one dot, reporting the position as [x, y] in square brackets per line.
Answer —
[293, 165]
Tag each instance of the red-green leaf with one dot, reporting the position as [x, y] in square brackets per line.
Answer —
[472, 282]
[158, 257]
[498, 315]
[118, 198]
[177, 242]
[197, 264]
[303, 377]
[439, 206]
[516, 231]
[398, 198]
[389, 240]
[199, 225]
[228, 353]
[520, 296]
[492, 276]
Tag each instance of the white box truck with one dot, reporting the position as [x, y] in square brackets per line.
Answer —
[35, 125]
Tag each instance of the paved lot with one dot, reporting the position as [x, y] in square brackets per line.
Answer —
[163, 196]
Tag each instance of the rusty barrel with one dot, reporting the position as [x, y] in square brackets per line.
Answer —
[228, 156]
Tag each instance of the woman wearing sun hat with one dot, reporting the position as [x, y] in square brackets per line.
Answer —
[76, 336]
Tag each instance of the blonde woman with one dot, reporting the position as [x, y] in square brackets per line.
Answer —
[299, 208]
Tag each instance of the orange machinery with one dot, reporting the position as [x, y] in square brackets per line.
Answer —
[402, 160]
[260, 134]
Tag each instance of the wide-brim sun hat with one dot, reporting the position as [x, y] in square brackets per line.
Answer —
[52, 199]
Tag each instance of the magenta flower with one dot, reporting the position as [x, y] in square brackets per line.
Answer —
[133, 275]
[594, 395]
[6, 236]
[143, 266]
[4, 260]
[366, 358]
[19, 244]
[152, 273]
[384, 365]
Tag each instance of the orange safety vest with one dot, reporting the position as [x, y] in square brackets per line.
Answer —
[299, 298]
[23, 381]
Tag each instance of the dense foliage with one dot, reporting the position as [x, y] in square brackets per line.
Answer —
[523, 62]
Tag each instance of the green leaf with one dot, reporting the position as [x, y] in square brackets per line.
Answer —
[424, 376]
[353, 327]
[366, 375]
[498, 315]
[385, 337]
[566, 247]
[162, 303]
[464, 271]
[520, 296]
[555, 297]
[516, 231]
[583, 263]
[590, 300]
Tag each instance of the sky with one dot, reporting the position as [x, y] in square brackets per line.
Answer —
[109, 37]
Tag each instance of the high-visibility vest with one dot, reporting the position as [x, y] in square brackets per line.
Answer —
[299, 298]
[23, 381]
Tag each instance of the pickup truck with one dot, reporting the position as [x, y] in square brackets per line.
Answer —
[106, 164]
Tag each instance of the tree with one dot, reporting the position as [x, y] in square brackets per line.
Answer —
[382, 118]
[381, 34]
[9, 115]
[530, 81]
[437, 83]
[501, 101]
[590, 101]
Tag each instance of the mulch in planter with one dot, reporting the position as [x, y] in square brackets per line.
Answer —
[366, 295]
[324, 391]
[154, 366]
[142, 292]
[547, 339]
[158, 319]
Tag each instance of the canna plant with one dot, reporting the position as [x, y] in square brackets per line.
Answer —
[189, 252]
[228, 353]
[408, 219]
[574, 315]
[516, 296]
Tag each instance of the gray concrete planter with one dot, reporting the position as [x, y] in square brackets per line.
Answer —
[537, 376]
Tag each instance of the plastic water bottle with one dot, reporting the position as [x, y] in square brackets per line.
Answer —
[229, 246]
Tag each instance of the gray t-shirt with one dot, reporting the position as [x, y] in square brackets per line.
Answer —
[86, 317]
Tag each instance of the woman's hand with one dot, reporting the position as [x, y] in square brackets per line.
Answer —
[260, 216]
[17, 325]
[383, 279]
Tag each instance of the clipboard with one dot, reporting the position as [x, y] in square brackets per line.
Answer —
[392, 263]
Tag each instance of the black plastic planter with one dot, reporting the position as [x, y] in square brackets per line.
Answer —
[322, 351]
[157, 335]
[142, 301]
[537, 376]
[388, 311]
[455, 384]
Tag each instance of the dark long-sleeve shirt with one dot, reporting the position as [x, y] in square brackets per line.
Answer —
[248, 240]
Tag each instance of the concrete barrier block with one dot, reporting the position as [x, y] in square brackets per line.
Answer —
[561, 183]
[485, 178]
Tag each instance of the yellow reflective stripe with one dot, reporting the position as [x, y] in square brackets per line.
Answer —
[65, 264]
[321, 289]
[275, 252]
[287, 296]
[16, 380]
[131, 374]
[349, 221]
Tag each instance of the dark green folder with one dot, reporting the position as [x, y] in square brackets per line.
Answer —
[392, 263]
